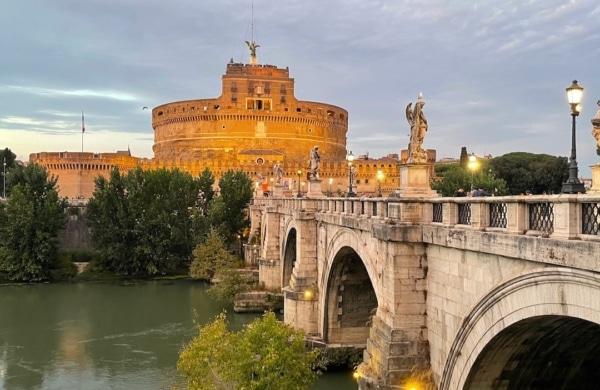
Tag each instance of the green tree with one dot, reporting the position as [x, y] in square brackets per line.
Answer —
[266, 354]
[229, 209]
[456, 177]
[206, 182]
[206, 195]
[536, 173]
[8, 157]
[210, 257]
[31, 220]
[143, 223]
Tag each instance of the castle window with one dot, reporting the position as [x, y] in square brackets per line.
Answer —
[258, 104]
[308, 110]
[282, 99]
[298, 109]
[366, 181]
[160, 113]
[234, 87]
[233, 98]
[216, 106]
[358, 182]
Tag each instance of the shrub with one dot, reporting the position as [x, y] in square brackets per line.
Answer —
[266, 354]
[211, 256]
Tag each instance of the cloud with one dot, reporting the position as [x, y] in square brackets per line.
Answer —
[493, 72]
[75, 93]
[38, 124]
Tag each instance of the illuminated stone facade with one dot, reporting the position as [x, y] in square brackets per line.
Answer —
[255, 122]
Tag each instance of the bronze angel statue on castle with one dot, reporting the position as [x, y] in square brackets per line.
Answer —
[418, 129]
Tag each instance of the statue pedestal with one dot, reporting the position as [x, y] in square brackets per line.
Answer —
[278, 190]
[595, 189]
[314, 189]
[415, 181]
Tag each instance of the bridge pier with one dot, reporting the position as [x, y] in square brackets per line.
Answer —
[301, 310]
[398, 348]
[301, 293]
[269, 263]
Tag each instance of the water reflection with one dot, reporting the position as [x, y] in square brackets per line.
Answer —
[98, 336]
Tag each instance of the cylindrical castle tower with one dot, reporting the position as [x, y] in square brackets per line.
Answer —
[256, 119]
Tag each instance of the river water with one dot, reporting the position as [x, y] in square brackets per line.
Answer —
[106, 335]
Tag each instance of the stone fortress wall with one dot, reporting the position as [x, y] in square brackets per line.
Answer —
[76, 171]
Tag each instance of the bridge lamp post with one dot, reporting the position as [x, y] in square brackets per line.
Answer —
[299, 173]
[573, 185]
[330, 182]
[472, 165]
[380, 177]
[350, 158]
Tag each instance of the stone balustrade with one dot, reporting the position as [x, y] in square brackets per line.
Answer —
[555, 216]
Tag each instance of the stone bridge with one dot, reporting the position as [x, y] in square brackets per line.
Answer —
[475, 293]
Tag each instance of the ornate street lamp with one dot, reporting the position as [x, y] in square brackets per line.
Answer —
[573, 185]
[350, 158]
[330, 182]
[472, 165]
[380, 177]
[299, 173]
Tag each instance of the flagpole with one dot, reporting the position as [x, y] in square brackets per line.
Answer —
[82, 130]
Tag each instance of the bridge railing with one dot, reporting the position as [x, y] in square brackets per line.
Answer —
[557, 216]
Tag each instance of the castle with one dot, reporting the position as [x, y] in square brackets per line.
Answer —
[256, 122]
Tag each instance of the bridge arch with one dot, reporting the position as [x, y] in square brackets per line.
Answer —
[350, 300]
[289, 256]
[350, 294]
[520, 334]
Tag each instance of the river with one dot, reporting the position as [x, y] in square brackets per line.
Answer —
[106, 335]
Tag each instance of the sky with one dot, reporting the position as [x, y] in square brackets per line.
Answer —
[493, 73]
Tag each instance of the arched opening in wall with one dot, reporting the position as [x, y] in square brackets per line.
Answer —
[350, 301]
[289, 257]
[544, 352]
